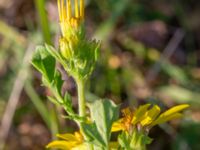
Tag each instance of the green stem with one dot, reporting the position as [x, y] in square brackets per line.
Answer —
[81, 98]
[82, 105]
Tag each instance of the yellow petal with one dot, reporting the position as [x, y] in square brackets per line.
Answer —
[140, 113]
[80, 147]
[59, 10]
[64, 145]
[69, 9]
[154, 112]
[175, 109]
[76, 9]
[117, 126]
[151, 115]
[170, 114]
[78, 136]
[67, 137]
[168, 118]
[82, 9]
[62, 7]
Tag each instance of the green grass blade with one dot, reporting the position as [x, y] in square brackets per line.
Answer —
[40, 5]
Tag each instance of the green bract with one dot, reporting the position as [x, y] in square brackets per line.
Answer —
[79, 54]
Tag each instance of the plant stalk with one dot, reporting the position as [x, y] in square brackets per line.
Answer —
[81, 104]
[81, 98]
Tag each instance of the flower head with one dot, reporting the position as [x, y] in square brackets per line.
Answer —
[145, 117]
[70, 21]
[78, 54]
[69, 142]
[125, 122]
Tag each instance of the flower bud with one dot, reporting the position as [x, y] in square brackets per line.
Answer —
[79, 53]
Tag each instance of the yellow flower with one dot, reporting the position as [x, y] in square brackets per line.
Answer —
[70, 20]
[74, 142]
[125, 122]
[76, 53]
[146, 117]
[69, 142]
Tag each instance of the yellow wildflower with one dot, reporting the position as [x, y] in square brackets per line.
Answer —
[74, 142]
[146, 117]
[125, 122]
[69, 142]
[69, 20]
[77, 54]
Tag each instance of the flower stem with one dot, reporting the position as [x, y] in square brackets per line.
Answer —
[81, 98]
[81, 104]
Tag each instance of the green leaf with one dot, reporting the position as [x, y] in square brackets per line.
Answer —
[124, 141]
[58, 82]
[92, 132]
[44, 63]
[52, 51]
[103, 113]
[146, 140]
[53, 100]
[68, 104]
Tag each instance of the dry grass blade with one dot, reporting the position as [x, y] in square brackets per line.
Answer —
[14, 97]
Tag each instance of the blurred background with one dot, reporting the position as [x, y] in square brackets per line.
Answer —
[150, 53]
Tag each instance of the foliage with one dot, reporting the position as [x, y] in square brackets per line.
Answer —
[77, 56]
[123, 72]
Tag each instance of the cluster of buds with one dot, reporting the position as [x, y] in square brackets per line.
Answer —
[79, 53]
